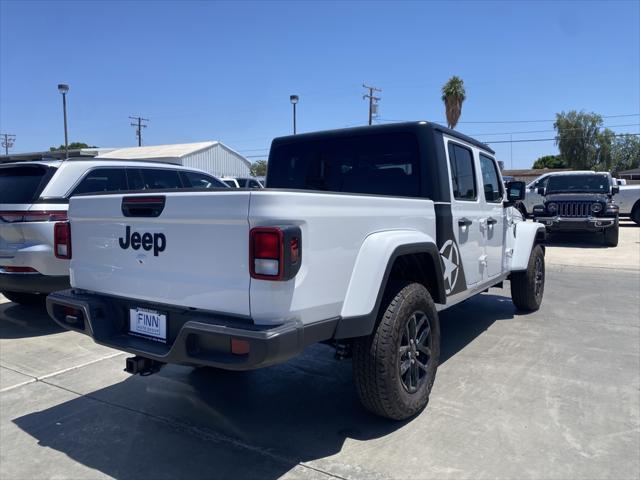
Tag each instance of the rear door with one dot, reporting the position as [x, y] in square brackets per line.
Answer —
[467, 210]
[493, 222]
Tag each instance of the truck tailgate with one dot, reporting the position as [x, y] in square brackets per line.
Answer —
[194, 254]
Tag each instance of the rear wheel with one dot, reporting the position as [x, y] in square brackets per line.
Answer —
[395, 367]
[527, 288]
[611, 235]
[24, 298]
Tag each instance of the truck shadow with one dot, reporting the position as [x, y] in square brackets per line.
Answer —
[205, 423]
[22, 321]
[576, 240]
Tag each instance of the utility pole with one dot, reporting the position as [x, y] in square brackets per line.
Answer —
[7, 141]
[139, 126]
[373, 100]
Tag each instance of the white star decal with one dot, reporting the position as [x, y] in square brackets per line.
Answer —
[450, 262]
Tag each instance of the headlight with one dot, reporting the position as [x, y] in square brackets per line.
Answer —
[552, 207]
[538, 209]
[596, 207]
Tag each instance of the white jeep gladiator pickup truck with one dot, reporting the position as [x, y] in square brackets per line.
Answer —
[363, 235]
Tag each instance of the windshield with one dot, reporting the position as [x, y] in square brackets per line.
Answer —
[370, 164]
[578, 183]
[23, 184]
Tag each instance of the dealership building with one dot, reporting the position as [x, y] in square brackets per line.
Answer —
[212, 156]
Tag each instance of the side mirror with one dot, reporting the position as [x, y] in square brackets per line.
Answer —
[541, 191]
[515, 191]
[615, 189]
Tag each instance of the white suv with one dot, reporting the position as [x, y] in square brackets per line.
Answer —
[35, 195]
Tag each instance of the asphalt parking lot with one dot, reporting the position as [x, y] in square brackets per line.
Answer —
[554, 394]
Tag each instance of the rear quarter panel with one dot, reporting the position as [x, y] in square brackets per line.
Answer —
[334, 228]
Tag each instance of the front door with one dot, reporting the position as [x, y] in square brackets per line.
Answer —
[493, 222]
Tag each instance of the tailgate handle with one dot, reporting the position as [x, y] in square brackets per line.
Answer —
[143, 206]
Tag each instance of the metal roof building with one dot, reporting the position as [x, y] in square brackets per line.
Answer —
[212, 157]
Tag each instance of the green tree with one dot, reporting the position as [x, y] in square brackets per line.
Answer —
[625, 153]
[259, 168]
[578, 136]
[604, 158]
[550, 161]
[453, 95]
[72, 146]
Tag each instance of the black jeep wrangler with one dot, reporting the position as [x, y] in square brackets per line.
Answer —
[581, 202]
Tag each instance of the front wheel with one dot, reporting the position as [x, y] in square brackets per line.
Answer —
[395, 367]
[527, 287]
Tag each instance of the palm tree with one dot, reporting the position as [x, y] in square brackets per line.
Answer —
[453, 94]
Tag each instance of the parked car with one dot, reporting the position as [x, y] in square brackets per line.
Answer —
[35, 195]
[242, 182]
[628, 201]
[580, 202]
[532, 197]
[370, 233]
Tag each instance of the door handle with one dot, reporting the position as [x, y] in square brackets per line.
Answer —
[464, 222]
[491, 221]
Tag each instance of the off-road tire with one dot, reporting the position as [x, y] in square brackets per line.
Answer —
[376, 357]
[611, 235]
[24, 298]
[525, 295]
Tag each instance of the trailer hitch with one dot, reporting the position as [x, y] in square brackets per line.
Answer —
[142, 365]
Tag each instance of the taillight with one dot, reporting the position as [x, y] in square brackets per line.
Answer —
[12, 269]
[62, 240]
[275, 252]
[33, 216]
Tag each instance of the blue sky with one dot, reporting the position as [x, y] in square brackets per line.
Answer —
[224, 71]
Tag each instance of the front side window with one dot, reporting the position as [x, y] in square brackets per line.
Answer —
[490, 180]
[102, 180]
[381, 164]
[463, 177]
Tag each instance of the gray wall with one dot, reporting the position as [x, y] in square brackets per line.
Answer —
[218, 161]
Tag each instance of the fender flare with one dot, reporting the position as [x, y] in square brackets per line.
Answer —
[362, 302]
[528, 234]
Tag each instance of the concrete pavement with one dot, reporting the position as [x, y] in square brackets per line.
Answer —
[554, 394]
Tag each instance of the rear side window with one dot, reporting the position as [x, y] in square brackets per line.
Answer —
[490, 180]
[200, 180]
[463, 177]
[157, 179]
[102, 180]
[381, 164]
[23, 184]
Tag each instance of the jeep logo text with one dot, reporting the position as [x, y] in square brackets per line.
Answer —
[147, 241]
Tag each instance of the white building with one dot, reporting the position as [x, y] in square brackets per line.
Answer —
[212, 157]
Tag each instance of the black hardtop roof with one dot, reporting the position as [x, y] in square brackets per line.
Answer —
[413, 127]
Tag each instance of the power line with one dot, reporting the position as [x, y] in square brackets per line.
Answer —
[552, 139]
[513, 121]
[373, 101]
[8, 140]
[549, 130]
[139, 126]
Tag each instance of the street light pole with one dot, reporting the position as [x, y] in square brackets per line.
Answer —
[294, 100]
[63, 89]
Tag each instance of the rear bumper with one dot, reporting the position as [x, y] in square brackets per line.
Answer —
[193, 338]
[32, 282]
[582, 224]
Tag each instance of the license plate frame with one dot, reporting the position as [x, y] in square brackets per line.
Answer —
[148, 323]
